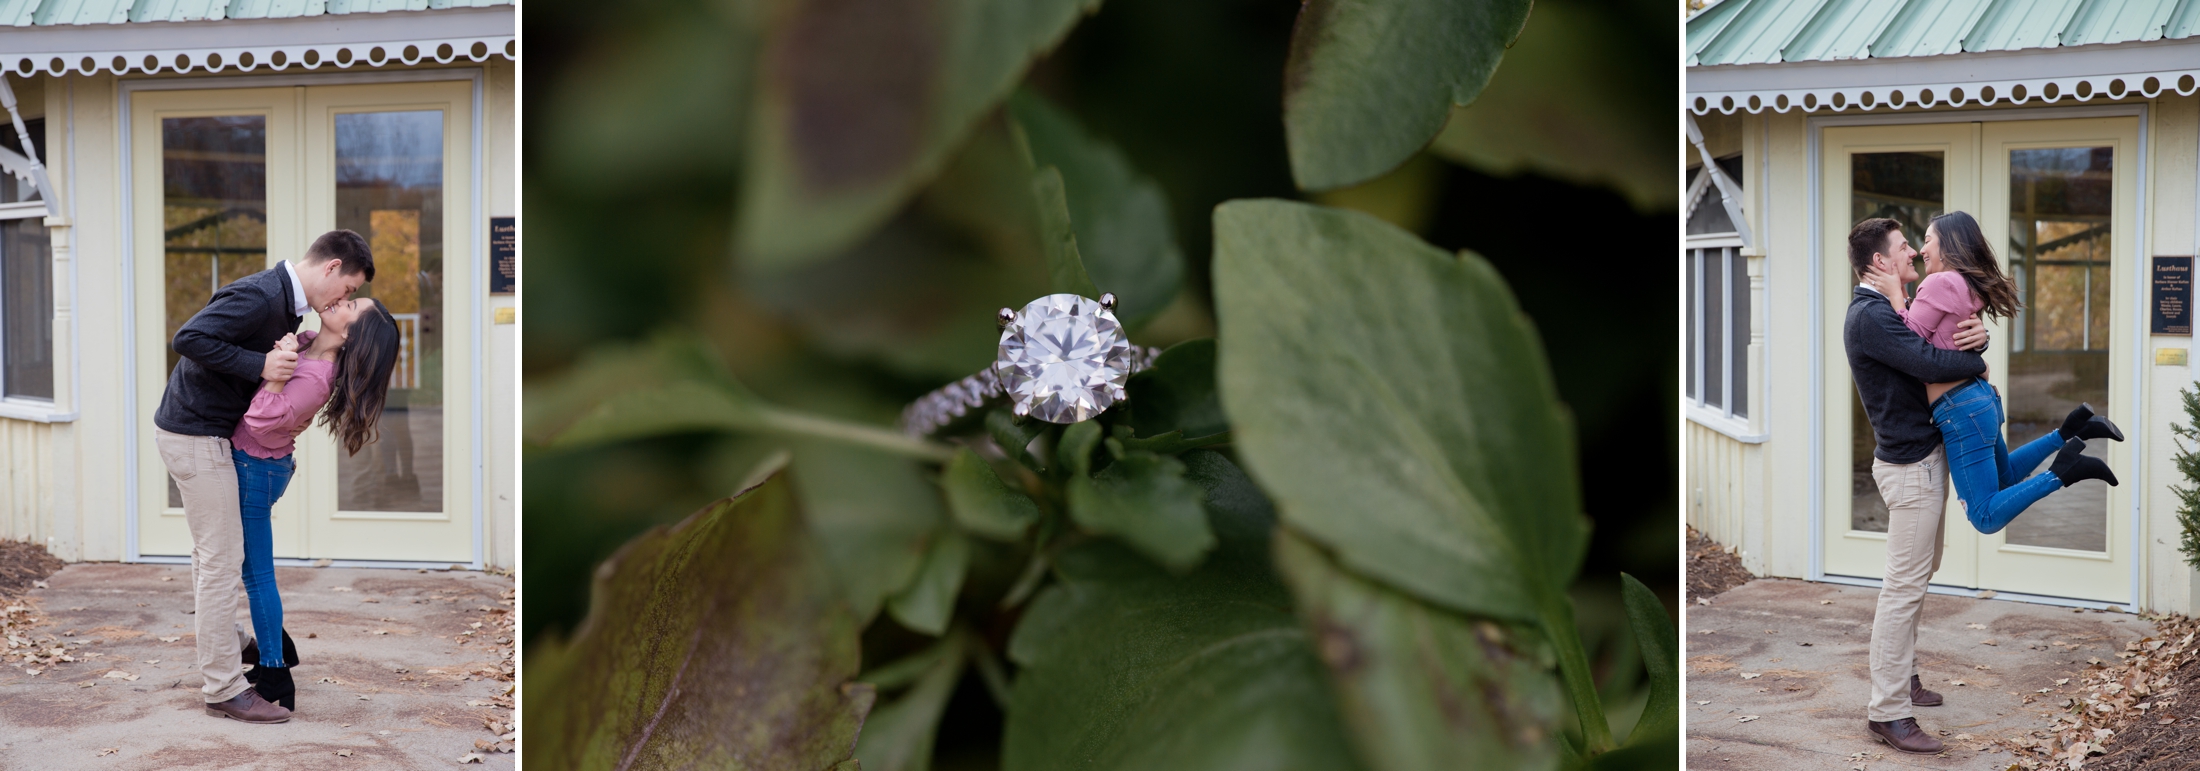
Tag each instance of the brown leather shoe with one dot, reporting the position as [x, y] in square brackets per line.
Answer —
[1921, 697]
[1904, 735]
[250, 708]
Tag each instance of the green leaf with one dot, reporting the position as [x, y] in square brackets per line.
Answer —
[1015, 436]
[1397, 405]
[672, 408]
[1124, 666]
[860, 103]
[1171, 443]
[1075, 450]
[1065, 263]
[982, 503]
[1659, 752]
[917, 296]
[873, 515]
[1422, 687]
[1145, 500]
[1369, 82]
[554, 404]
[929, 600]
[898, 735]
[718, 642]
[1113, 220]
[1571, 104]
[1661, 718]
[1178, 393]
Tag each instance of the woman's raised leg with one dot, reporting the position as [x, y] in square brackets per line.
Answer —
[1979, 464]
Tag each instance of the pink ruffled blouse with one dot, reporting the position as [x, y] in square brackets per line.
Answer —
[271, 427]
[1943, 301]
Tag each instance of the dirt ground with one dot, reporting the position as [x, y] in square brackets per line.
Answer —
[1778, 677]
[399, 669]
[1712, 569]
[21, 564]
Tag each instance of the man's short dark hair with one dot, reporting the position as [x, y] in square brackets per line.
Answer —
[1866, 239]
[346, 246]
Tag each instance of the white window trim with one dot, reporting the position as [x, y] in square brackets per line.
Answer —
[24, 407]
[1733, 427]
[1721, 419]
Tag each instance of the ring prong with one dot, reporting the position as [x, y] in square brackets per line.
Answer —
[1021, 409]
[1003, 316]
[1107, 300]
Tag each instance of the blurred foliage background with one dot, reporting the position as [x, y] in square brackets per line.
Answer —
[1561, 174]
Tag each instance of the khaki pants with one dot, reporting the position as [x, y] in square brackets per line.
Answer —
[207, 477]
[1916, 496]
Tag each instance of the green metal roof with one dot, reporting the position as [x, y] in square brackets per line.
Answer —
[27, 13]
[1773, 31]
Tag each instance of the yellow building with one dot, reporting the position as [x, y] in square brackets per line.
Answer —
[2073, 135]
[179, 145]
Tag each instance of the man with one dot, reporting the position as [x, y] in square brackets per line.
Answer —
[227, 348]
[1891, 365]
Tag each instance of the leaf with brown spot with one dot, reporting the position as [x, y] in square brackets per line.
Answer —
[719, 642]
[859, 102]
[1422, 687]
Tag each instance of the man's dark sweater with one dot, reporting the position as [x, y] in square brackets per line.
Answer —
[224, 346]
[1891, 365]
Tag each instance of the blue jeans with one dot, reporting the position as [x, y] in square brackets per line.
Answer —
[1985, 472]
[260, 482]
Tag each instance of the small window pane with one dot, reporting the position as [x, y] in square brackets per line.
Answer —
[1738, 362]
[1689, 272]
[1714, 325]
[26, 309]
[14, 189]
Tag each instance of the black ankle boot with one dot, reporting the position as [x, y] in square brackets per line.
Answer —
[2081, 423]
[2072, 465]
[252, 657]
[275, 685]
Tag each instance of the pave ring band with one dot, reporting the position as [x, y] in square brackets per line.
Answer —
[1062, 359]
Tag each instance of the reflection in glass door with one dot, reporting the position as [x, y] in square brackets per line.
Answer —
[2059, 254]
[389, 188]
[214, 216]
[1910, 188]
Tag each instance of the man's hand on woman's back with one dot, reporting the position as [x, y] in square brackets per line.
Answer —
[1971, 334]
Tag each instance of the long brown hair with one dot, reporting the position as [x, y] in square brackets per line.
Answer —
[362, 379]
[1963, 249]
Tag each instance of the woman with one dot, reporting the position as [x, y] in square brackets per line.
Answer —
[1962, 278]
[346, 367]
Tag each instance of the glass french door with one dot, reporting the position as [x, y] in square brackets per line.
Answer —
[228, 182]
[2052, 196]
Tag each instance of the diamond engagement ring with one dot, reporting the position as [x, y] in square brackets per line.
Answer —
[1063, 359]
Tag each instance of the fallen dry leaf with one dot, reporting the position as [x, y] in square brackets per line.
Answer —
[1752, 675]
[171, 639]
[1974, 626]
[341, 589]
[108, 751]
[1745, 718]
[120, 675]
[471, 757]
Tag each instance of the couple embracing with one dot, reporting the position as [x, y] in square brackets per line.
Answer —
[1936, 419]
[246, 385]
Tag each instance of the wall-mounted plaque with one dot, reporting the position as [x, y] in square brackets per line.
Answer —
[2172, 296]
[503, 254]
